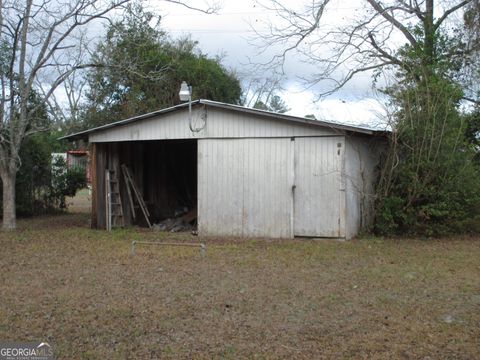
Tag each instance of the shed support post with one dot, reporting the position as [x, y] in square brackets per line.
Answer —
[93, 184]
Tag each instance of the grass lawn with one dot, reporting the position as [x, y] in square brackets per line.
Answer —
[82, 291]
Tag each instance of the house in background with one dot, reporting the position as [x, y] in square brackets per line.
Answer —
[248, 172]
[79, 159]
[75, 158]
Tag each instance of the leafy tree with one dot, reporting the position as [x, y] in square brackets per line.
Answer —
[210, 80]
[260, 105]
[142, 71]
[276, 104]
[429, 184]
[33, 177]
[472, 132]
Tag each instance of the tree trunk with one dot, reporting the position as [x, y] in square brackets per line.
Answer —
[429, 29]
[9, 213]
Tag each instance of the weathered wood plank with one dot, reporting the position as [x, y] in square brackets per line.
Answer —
[100, 185]
[93, 174]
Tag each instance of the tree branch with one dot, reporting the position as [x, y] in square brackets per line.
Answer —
[450, 11]
[212, 9]
[382, 11]
[471, 100]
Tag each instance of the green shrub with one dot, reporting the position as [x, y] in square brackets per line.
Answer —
[33, 177]
[65, 182]
[430, 183]
[41, 187]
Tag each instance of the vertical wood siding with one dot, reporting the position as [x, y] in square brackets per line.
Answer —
[93, 179]
[99, 193]
[244, 187]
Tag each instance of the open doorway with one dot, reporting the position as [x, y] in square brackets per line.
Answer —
[170, 178]
[165, 173]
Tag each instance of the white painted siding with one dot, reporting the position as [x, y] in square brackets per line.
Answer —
[362, 157]
[247, 165]
[319, 187]
[168, 126]
[244, 187]
[220, 123]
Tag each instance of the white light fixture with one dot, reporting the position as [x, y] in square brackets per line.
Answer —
[185, 92]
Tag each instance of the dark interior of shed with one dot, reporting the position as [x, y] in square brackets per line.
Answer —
[170, 178]
[165, 173]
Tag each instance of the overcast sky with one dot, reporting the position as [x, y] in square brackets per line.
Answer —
[229, 33]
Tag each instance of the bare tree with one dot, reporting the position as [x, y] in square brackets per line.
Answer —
[260, 87]
[35, 40]
[369, 41]
[64, 104]
[34, 34]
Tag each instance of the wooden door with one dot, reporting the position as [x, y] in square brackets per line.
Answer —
[319, 194]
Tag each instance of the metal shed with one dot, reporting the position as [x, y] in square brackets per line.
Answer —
[250, 173]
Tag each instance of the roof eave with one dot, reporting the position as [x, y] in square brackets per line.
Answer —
[292, 118]
[83, 135]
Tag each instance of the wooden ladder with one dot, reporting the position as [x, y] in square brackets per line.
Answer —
[132, 187]
[113, 201]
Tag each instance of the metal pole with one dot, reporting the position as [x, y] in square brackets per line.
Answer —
[202, 246]
[133, 247]
[190, 111]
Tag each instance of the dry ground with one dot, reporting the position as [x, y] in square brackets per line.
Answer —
[81, 202]
[82, 291]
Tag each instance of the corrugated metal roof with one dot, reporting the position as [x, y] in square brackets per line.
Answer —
[230, 107]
